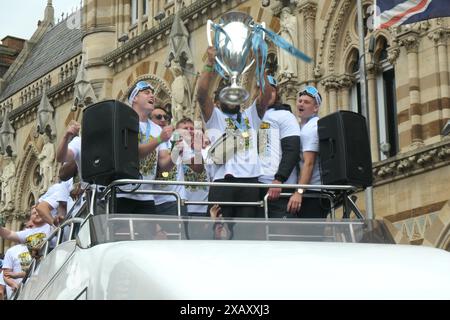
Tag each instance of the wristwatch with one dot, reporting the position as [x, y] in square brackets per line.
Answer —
[300, 190]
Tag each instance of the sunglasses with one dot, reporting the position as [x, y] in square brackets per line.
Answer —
[160, 117]
[313, 93]
[138, 87]
[143, 85]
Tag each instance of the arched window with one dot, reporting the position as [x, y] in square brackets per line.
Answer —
[31, 200]
[387, 102]
[36, 178]
[134, 14]
[272, 63]
[355, 91]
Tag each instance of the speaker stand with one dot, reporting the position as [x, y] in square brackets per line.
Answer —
[349, 206]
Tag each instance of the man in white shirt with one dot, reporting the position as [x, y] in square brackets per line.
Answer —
[52, 205]
[166, 203]
[279, 151]
[33, 237]
[153, 150]
[308, 103]
[244, 165]
[16, 264]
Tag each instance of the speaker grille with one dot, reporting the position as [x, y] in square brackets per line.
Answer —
[109, 143]
[344, 149]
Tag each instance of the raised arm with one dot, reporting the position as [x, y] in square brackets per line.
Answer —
[264, 98]
[9, 234]
[205, 101]
[63, 153]
[146, 148]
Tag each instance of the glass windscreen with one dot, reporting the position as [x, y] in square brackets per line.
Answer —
[126, 227]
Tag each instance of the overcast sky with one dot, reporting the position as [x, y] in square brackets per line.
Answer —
[19, 17]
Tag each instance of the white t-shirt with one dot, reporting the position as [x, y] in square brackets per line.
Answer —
[58, 192]
[17, 259]
[276, 125]
[176, 174]
[35, 236]
[147, 166]
[245, 162]
[309, 137]
[197, 193]
[75, 147]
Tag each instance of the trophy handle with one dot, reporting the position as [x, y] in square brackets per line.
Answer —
[209, 25]
[263, 24]
[248, 67]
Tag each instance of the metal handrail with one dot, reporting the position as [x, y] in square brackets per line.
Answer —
[240, 220]
[110, 191]
[226, 184]
[321, 195]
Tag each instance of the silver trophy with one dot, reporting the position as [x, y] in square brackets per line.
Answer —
[233, 43]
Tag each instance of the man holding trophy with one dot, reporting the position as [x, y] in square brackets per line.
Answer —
[232, 132]
[233, 135]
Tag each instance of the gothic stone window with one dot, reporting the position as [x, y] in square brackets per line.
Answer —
[386, 102]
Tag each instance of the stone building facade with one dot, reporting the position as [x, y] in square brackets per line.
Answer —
[100, 51]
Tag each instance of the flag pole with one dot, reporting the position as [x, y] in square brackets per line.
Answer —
[364, 94]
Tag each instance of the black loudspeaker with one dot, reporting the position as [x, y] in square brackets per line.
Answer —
[109, 143]
[344, 149]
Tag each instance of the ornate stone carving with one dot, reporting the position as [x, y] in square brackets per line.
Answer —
[7, 141]
[330, 83]
[372, 68]
[7, 180]
[84, 94]
[317, 71]
[46, 159]
[308, 9]
[439, 36]
[405, 164]
[337, 29]
[191, 14]
[180, 61]
[45, 121]
[416, 27]
[25, 170]
[289, 89]
[393, 54]
[426, 158]
[411, 163]
[288, 30]
[411, 43]
[5, 217]
[346, 81]
[179, 50]
[347, 39]
[325, 33]
[181, 95]
[386, 170]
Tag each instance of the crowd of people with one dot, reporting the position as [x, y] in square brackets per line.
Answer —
[263, 144]
[52, 208]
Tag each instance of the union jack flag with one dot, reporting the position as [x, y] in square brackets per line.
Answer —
[391, 13]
